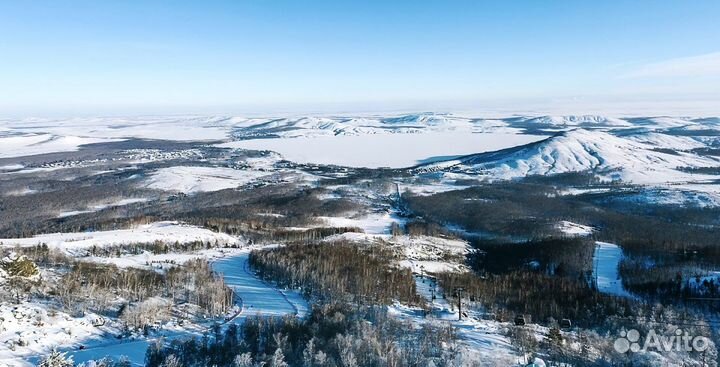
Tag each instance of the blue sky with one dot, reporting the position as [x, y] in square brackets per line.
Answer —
[101, 57]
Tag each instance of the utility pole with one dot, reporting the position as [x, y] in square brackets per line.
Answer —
[459, 291]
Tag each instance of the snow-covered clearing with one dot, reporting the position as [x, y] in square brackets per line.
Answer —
[374, 224]
[385, 150]
[21, 192]
[190, 179]
[582, 191]
[11, 167]
[29, 329]
[486, 340]
[606, 260]
[98, 207]
[421, 254]
[574, 229]
[168, 232]
[426, 189]
[425, 254]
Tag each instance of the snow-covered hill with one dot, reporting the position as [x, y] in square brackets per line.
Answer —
[308, 126]
[644, 159]
[36, 136]
[576, 120]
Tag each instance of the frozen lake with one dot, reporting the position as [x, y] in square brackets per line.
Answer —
[385, 150]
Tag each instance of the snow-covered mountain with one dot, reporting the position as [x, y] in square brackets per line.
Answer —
[428, 120]
[576, 121]
[306, 126]
[644, 159]
[21, 136]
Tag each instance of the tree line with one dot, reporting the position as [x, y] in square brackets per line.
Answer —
[334, 334]
[338, 270]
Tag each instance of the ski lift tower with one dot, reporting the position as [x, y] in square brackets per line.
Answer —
[459, 291]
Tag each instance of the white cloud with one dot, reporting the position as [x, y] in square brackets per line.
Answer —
[692, 66]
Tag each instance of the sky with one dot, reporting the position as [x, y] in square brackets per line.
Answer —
[235, 56]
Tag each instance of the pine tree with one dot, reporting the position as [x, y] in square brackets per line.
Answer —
[320, 359]
[309, 353]
[172, 361]
[57, 359]
[554, 337]
[243, 360]
[278, 359]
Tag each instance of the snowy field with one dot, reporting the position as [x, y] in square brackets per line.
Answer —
[574, 229]
[386, 150]
[32, 144]
[98, 207]
[191, 179]
[181, 128]
[373, 224]
[168, 231]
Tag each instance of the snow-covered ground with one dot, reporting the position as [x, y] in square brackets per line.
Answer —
[253, 296]
[32, 144]
[606, 260]
[168, 231]
[485, 340]
[373, 224]
[421, 254]
[191, 179]
[29, 330]
[98, 207]
[181, 128]
[574, 229]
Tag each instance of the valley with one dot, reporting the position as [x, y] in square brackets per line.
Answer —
[322, 240]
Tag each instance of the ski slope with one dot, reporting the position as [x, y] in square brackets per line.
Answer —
[606, 260]
[486, 340]
[254, 297]
[258, 297]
